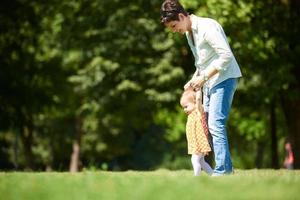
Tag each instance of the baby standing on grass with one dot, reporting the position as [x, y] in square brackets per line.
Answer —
[196, 133]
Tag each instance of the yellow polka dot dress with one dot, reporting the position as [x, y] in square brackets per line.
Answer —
[195, 134]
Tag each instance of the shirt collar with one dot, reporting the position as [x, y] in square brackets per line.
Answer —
[194, 22]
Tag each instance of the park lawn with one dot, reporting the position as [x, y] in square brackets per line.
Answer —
[159, 184]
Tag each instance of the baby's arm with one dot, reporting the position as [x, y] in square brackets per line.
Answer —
[199, 101]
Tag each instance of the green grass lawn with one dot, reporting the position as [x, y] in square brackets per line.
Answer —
[160, 184]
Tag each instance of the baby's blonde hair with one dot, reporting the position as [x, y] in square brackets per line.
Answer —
[188, 95]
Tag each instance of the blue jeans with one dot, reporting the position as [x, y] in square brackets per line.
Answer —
[217, 103]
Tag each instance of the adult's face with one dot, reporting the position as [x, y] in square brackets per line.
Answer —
[179, 26]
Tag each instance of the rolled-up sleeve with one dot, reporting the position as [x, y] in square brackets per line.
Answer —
[216, 38]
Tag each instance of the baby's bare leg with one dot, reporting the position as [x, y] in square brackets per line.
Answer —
[205, 166]
[196, 164]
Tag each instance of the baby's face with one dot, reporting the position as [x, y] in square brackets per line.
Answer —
[188, 107]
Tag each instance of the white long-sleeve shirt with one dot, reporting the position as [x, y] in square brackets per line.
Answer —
[211, 49]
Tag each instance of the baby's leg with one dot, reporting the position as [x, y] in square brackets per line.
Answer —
[196, 164]
[205, 166]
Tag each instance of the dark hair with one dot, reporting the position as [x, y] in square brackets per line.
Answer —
[170, 9]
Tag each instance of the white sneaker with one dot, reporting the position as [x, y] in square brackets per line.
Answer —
[216, 174]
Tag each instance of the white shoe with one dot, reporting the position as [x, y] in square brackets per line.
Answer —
[216, 174]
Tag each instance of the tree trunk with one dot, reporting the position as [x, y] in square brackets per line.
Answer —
[75, 157]
[259, 154]
[27, 139]
[16, 150]
[274, 143]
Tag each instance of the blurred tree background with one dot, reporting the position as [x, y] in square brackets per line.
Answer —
[96, 84]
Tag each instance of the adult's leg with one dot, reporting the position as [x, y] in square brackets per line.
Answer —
[217, 102]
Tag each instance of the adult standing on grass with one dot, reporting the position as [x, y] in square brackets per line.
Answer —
[216, 72]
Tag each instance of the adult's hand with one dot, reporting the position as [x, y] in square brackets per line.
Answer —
[197, 82]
